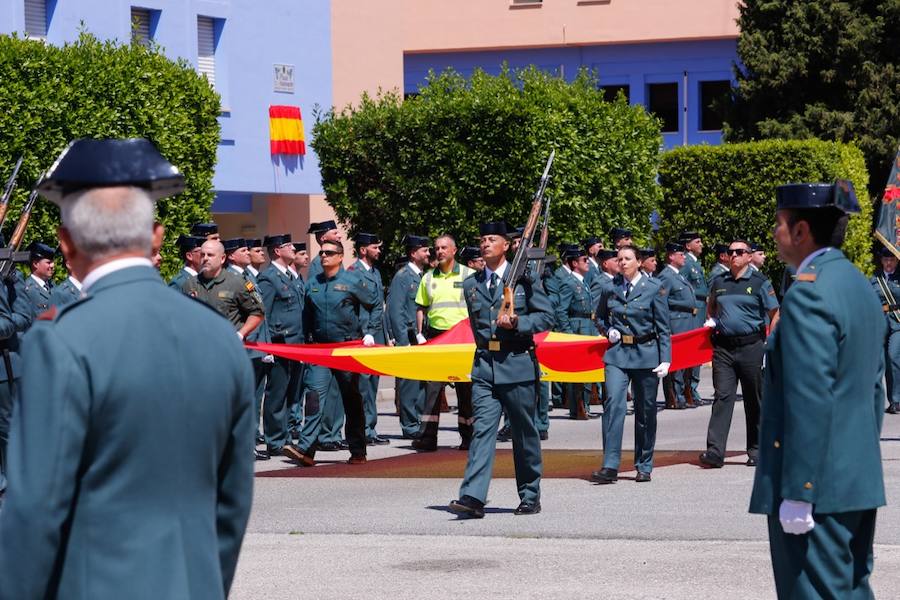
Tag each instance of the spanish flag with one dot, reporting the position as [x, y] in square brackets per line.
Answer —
[286, 130]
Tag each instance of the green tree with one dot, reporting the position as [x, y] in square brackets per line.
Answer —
[50, 95]
[465, 151]
[820, 68]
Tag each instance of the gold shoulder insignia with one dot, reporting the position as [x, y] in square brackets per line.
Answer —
[249, 286]
[806, 277]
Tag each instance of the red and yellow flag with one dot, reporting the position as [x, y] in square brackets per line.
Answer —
[286, 130]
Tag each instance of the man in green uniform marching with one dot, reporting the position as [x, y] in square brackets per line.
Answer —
[819, 480]
[886, 283]
[682, 315]
[504, 374]
[692, 271]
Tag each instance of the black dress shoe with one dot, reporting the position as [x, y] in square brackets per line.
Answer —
[751, 461]
[605, 475]
[503, 435]
[411, 436]
[528, 509]
[642, 477]
[328, 447]
[710, 461]
[545, 435]
[261, 454]
[467, 506]
[343, 445]
[893, 409]
[423, 445]
[260, 439]
[377, 441]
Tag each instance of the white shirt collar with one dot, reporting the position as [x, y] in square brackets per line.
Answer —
[252, 271]
[40, 281]
[190, 271]
[566, 267]
[673, 268]
[578, 276]
[236, 269]
[111, 267]
[365, 265]
[594, 262]
[812, 255]
[75, 282]
[281, 268]
[637, 277]
[414, 268]
[610, 275]
[501, 270]
[293, 272]
[691, 254]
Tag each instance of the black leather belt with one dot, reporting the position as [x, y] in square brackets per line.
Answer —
[693, 311]
[738, 340]
[582, 315]
[631, 340]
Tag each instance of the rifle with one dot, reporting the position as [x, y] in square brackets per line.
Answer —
[8, 190]
[542, 245]
[517, 268]
[11, 254]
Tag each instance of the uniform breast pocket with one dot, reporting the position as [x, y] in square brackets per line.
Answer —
[519, 302]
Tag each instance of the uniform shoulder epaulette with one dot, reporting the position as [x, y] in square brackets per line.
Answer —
[805, 277]
[62, 310]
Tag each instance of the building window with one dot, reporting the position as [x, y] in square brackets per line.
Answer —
[611, 92]
[514, 3]
[140, 26]
[713, 96]
[36, 19]
[662, 101]
[206, 48]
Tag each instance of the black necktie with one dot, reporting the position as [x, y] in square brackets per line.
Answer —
[628, 287]
[492, 288]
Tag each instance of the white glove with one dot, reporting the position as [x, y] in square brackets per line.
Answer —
[420, 339]
[662, 370]
[268, 359]
[796, 517]
[240, 335]
[368, 340]
[710, 322]
[613, 336]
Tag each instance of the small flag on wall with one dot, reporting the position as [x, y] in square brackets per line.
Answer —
[286, 130]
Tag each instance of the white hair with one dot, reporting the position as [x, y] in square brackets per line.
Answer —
[108, 221]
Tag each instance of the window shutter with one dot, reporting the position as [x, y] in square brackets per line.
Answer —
[206, 47]
[140, 26]
[36, 18]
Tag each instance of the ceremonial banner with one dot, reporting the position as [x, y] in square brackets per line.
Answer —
[888, 229]
[448, 357]
[286, 130]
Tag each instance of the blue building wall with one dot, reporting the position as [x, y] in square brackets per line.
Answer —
[251, 37]
[637, 65]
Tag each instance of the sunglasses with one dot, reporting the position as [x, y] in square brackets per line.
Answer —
[737, 252]
[329, 252]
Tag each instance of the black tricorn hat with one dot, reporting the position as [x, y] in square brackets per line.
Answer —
[674, 247]
[41, 250]
[647, 253]
[411, 242]
[607, 254]
[590, 241]
[885, 252]
[299, 246]
[234, 244]
[720, 249]
[366, 239]
[189, 242]
[516, 232]
[839, 195]
[687, 236]
[573, 251]
[496, 228]
[254, 243]
[617, 233]
[321, 227]
[273, 241]
[469, 253]
[204, 229]
[87, 163]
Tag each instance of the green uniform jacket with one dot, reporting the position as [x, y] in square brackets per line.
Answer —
[130, 452]
[644, 313]
[823, 401]
[180, 278]
[575, 310]
[514, 363]
[283, 303]
[890, 309]
[340, 308]
[692, 271]
[376, 317]
[64, 293]
[22, 315]
[717, 269]
[401, 305]
[233, 296]
[38, 294]
[682, 304]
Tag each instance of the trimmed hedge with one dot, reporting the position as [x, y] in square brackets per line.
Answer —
[727, 192]
[50, 95]
[466, 151]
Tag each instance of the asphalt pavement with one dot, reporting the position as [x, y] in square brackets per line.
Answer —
[686, 534]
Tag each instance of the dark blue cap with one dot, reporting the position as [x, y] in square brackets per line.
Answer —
[674, 247]
[720, 249]
[366, 239]
[204, 229]
[411, 242]
[754, 247]
[617, 233]
[299, 246]
[40, 250]
[86, 164]
[254, 242]
[273, 241]
[647, 253]
[687, 236]
[495, 228]
[885, 252]
[235, 244]
[321, 227]
[469, 253]
[564, 247]
[604, 255]
[189, 242]
[839, 195]
[590, 241]
[516, 232]
[574, 251]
